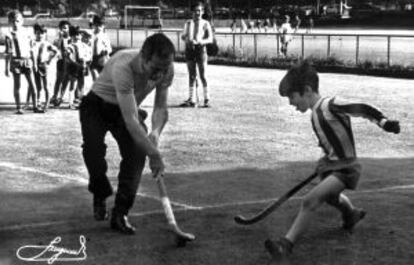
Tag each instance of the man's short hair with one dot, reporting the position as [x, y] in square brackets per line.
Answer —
[39, 28]
[74, 31]
[98, 20]
[12, 15]
[157, 44]
[63, 23]
[297, 78]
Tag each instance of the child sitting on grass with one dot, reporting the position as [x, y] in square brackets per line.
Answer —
[338, 168]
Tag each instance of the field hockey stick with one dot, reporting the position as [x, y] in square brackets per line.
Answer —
[274, 205]
[181, 238]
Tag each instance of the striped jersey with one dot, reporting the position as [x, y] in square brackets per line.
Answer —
[19, 43]
[332, 125]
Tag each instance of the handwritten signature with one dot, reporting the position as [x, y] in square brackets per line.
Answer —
[46, 251]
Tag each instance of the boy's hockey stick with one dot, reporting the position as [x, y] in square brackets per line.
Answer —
[181, 238]
[273, 206]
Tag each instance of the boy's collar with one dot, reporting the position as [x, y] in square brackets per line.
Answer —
[317, 103]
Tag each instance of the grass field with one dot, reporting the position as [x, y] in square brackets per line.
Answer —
[236, 157]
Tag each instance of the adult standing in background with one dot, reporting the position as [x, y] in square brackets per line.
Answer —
[197, 34]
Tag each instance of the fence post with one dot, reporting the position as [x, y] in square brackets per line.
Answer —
[303, 46]
[234, 43]
[277, 43]
[357, 50]
[255, 46]
[117, 37]
[329, 46]
[132, 37]
[241, 40]
[388, 51]
[178, 41]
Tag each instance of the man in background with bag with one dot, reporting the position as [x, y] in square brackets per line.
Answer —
[197, 34]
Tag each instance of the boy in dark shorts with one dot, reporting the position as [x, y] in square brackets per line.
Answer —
[43, 52]
[338, 168]
[19, 59]
[61, 70]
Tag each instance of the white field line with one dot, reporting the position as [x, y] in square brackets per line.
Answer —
[184, 208]
[82, 181]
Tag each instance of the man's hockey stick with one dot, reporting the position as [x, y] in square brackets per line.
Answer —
[273, 206]
[181, 238]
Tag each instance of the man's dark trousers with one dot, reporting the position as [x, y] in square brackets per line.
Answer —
[97, 118]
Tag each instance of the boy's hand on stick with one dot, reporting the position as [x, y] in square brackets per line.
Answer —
[391, 126]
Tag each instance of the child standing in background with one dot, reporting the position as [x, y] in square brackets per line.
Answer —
[101, 47]
[19, 59]
[44, 52]
[78, 54]
[61, 70]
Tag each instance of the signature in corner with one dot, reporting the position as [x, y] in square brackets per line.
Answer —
[52, 253]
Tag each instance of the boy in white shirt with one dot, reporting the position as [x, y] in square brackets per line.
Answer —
[44, 52]
[101, 47]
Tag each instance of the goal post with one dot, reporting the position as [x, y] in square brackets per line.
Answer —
[136, 16]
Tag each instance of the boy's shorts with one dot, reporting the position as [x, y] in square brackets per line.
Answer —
[347, 171]
[60, 65]
[21, 65]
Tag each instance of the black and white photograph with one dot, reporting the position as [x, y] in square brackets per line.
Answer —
[205, 132]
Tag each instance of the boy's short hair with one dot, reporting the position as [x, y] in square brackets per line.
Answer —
[63, 23]
[299, 76]
[39, 28]
[74, 31]
[98, 20]
[157, 44]
[85, 34]
[12, 15]
[197, 4]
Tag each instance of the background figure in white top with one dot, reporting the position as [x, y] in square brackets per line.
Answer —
[101, 46]
[78, 54]
[197, 34]
[44, 52]
[286, 31]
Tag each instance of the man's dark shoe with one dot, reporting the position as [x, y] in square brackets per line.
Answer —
[280, 249]
[99, 209]
[120, 223]
[351, 220]
[187, 104]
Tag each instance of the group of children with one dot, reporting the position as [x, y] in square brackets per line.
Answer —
[78, 54]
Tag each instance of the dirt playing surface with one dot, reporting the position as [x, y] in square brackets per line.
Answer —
[233, 158]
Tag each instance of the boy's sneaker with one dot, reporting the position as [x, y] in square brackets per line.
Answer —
[187, 104]
[19, 112]
[38, 110]
[352, 219]
[206, 103]
[280, 249]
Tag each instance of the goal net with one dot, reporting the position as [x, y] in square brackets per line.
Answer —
[136, 16]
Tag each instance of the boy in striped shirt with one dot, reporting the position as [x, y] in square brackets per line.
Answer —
[338, 168]
[19, 58]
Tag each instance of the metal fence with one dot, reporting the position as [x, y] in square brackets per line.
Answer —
[351, 48]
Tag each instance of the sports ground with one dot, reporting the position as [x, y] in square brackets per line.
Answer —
[234, 158]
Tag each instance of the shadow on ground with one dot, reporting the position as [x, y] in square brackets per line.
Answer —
[383, 238]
